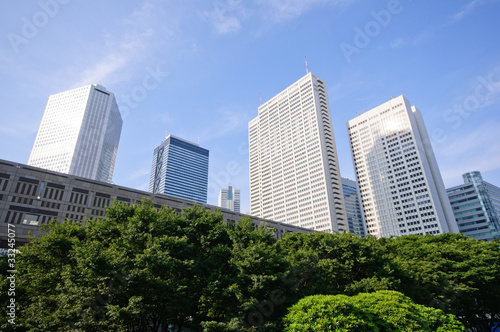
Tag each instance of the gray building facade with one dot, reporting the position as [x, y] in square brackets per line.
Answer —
[31, 196]
[476, 206]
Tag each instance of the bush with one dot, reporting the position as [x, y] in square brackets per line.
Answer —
[380, 311]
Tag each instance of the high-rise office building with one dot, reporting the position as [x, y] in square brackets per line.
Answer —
[180, 169]
[353, 207]
[400, 185]
[476, 205]
[79, 134]
[294, 172]
[229, 198]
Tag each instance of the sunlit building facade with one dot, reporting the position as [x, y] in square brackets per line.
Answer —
[79, 134]
[401, 188]
[294, 171]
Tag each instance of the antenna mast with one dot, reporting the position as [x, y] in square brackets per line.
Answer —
[307, 70]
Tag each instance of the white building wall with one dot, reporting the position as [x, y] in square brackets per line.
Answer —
[400, 185]
[294, 173]
[79, 133]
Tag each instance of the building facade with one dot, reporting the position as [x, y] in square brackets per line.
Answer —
[353, 207]
[31, 197]
[294, 171]
[401, 188]
[229, 198]
[476, 206]
[180, 169]
[79, 134]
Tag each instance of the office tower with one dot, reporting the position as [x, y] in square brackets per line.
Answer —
[400, 185]
[476, 205]
[79, 134]
[229, 198]
[294, 172]
[353, 207]
[180, 169]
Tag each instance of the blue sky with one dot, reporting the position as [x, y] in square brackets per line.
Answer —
[197, 68]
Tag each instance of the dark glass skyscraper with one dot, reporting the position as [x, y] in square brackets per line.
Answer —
[353, 207]
[180, 169]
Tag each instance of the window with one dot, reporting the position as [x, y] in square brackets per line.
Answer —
[31, 219]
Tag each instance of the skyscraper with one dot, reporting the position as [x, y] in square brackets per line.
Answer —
[180, 168]
[400, 185]
[229, 198]
[476, 205]
[294, 172]
[79, 133]
[353, 207]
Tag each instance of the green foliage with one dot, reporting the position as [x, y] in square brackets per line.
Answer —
[451, 272]
[143, 269]
[380, 311]
[338, 264]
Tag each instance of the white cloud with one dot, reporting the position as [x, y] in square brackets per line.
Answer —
[225, 121]
[466, 9]
[222, 23]
[398, 43]
[475, 151]
[284, 10]
[227, 18]
[136, 41]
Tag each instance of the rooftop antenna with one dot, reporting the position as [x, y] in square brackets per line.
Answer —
[358, 113]
[166, 133]
[307, 70]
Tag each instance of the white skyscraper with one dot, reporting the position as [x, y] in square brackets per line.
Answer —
[79, 133]
[400, 185]
[229, 198]
[294, 172]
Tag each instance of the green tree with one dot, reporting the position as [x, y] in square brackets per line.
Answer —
[380, 311]
[337, 264]
[451, 272]
[140, 269]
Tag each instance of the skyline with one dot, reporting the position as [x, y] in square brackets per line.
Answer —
[198, 70]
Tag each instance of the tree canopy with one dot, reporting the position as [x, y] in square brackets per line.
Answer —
[143, 269]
